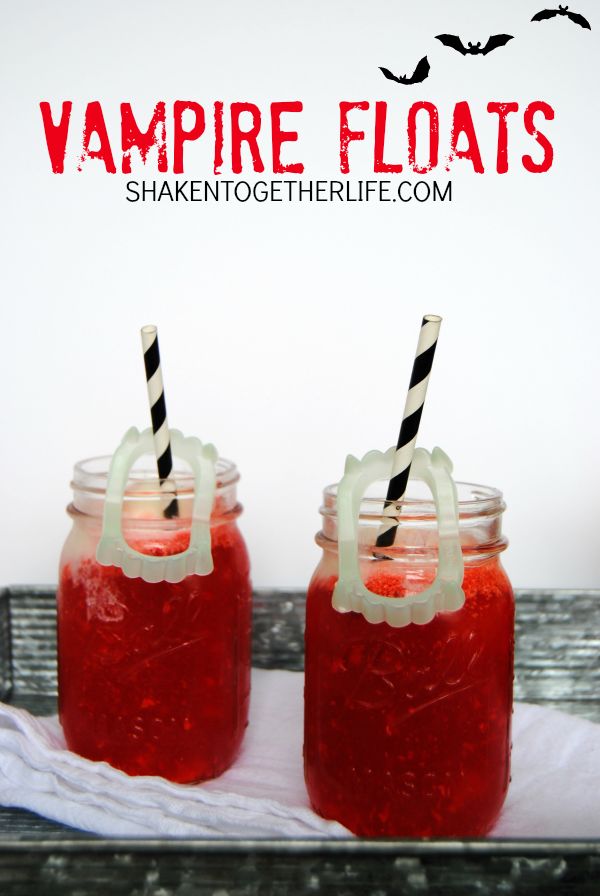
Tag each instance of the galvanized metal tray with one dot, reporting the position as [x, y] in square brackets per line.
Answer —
[557, 664]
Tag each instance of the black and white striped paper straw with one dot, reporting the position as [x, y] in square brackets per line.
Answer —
[158, 412]
[409, 429]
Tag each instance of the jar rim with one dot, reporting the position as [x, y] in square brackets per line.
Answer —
[474, 500]
[90, 475]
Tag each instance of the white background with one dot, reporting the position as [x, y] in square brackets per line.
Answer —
[288, 331]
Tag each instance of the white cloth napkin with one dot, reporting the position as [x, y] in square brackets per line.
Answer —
[555, 789]
[555, 786]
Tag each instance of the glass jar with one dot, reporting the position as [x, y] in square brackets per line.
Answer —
[154, 678]
[407, 730]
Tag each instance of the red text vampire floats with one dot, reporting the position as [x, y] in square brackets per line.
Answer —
[244, 138]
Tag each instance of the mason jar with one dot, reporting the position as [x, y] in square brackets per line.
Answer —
[407, 730]
[154, 677]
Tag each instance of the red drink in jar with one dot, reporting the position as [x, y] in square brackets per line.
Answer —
[407, 730]
[154, 678]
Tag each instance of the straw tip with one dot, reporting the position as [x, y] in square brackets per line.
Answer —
[149, 330]
[432, 318]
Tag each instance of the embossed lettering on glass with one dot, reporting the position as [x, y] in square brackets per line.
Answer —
[407, 723]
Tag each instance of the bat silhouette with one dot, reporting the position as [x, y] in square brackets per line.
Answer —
[419, 74]
[562, 11]
[497, 40]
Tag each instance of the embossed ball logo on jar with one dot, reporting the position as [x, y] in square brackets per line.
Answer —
[389, 675]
